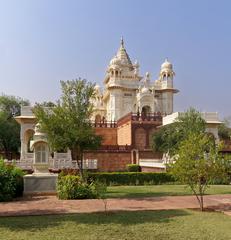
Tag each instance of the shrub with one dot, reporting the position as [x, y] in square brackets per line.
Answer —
[133, 168]
[100, 189]
[131, 178]
[68, 171]
[18, 181]
[11, 181]
[72, 187]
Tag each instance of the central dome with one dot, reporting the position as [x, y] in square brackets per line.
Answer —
[121, 58]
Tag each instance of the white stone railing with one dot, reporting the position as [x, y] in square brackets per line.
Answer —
[56, 164]
[26, 111]
[66, 155]
[64, 163]
[207, 116]
[156, 163]
[210, 116]
[29, 157]
[24, 164]
[170, 118]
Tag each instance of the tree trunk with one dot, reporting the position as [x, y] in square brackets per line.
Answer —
[199, 198]
[81, 165]
[202, 202]
[77, 156]
[5, 148]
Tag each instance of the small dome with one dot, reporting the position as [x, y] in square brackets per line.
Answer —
[37, 128]
[145, 90]
[38, 132]
[166, 64]
[97, 87]
[115, 61]
[147, 75]
[136, 63]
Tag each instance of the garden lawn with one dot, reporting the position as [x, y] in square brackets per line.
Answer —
[158, 225]
[160, 190]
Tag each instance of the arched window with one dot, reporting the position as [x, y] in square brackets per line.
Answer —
[28, 145]
[116, 73]
[41, 153]
[97, 118]
[28, 136]
[146, 110]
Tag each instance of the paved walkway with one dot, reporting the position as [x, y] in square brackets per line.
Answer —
[42, 205]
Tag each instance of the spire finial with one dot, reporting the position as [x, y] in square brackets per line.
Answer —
[122, 42]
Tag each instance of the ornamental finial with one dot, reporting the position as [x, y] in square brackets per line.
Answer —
[122, 42]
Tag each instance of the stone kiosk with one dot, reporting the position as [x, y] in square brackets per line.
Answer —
[41, 180]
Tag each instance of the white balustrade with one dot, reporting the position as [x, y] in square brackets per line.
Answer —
[65, 163]
[209, 117]
[24, 164]
[26, 111]
[29, 157]
[156, 163]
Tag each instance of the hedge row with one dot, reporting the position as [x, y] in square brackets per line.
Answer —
[133, 168]
[131, 178]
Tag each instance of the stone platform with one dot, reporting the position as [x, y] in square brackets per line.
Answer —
[40, 183]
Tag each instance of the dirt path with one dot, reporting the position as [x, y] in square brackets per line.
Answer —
[41, 205]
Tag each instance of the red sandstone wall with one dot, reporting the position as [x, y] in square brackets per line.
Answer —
[150, 155]
[143, 136]
[110, 161]
[124, 134]
[109, 135]
[140, 138]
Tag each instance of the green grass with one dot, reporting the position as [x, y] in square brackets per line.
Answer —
[160, 190]
[158, 225]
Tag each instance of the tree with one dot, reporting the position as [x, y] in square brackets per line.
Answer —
[198, 162]
[47, 104]
[67, 124]
[196, 159]
[9, 129]
[224, 130]
[169, 137]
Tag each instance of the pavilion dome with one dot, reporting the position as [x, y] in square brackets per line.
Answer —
[115, 61]
[38, 131]
[166, 65]
[97, 89]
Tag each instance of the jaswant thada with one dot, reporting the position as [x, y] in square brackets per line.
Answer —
[126, 113]
[125, 90]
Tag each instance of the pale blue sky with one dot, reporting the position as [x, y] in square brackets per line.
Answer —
[45, 41]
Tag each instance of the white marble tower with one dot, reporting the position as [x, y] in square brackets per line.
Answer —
[126, 91]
